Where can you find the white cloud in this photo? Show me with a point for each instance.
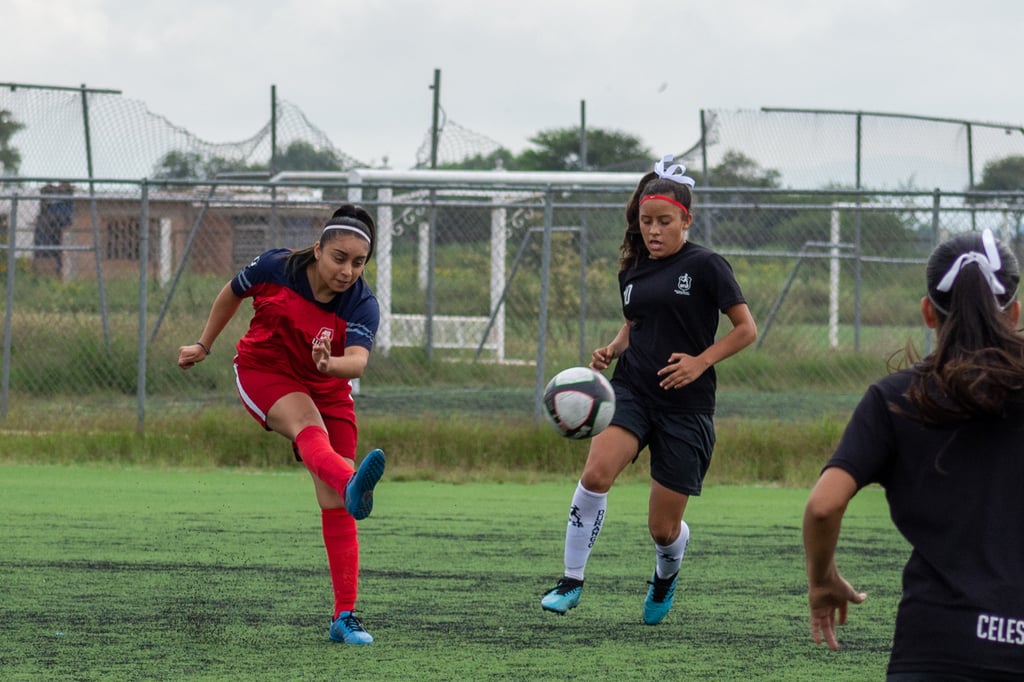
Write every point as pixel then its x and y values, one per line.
pixel 361 69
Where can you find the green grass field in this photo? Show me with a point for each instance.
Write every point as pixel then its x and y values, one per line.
pixel 127 573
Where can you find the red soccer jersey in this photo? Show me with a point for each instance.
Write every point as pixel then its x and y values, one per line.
pixel 287 318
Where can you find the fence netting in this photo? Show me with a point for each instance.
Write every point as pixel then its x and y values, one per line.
pixel 486 291
pixel 68 133
pixel 488 287
pixel 854 150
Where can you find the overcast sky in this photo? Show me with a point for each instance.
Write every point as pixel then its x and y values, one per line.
pixel 361 69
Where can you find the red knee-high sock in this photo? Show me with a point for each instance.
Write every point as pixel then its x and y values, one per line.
pixel 342 545
pixel 319 457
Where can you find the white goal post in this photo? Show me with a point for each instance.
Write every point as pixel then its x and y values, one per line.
pixel 450 331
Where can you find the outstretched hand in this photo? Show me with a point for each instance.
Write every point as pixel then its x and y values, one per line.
pixel 825 602
pixel 601 358
pixel 322 352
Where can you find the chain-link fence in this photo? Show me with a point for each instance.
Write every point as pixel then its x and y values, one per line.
pixel 856 149
pixel 85 132
pixel 487 289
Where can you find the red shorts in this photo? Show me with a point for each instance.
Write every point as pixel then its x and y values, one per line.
pixel 260 390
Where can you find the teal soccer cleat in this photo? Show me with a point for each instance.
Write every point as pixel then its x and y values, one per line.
pixel 349 630
pixel 659 598
pixel 359 491
pixel 563 596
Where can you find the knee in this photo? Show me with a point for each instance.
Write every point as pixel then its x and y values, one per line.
pixel 599 474
pixel 662 533
pixel 597 482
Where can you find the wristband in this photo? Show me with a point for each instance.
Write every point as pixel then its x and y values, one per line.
pixel 203 346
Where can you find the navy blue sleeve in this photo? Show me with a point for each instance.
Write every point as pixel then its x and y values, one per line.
pixel 362 316
pixel 362 327
pixel 266 267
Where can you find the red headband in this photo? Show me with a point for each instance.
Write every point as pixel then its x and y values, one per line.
pixel 662 197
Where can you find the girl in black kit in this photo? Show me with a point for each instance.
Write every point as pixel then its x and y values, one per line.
pixel 944 438
pixel 673 292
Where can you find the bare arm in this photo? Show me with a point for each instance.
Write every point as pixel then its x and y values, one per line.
pixel 351 365
pixel 602 357
pixel 683 369
pixel 224 308
pixel 827 591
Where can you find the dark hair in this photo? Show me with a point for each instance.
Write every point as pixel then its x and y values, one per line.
pixel 347 214
pixel 633 247
pixel 977 369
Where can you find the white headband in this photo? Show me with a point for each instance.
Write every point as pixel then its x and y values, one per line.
pixel 348 228
pixel 989 264
pixel 676 172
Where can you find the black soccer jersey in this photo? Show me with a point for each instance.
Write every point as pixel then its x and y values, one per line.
pixel 957 496
pixel 673 305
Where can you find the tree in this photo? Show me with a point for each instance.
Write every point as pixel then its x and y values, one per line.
pixel 500 158
pixel 1002 175
pixel 10 157
pixel 303 156
pixel 746 227
pixel 181 165
pixel 177 165
pixel 736 169
pixel 218 164
pixel 558 149
pixel 188 165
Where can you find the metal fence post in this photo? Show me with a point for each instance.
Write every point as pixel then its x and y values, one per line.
pixel 143 284
pixel 431 304
pixel 542 317
pixel 9 312
pixel 584 257
pixel 936 214
pixel 183 261
pixel 98 252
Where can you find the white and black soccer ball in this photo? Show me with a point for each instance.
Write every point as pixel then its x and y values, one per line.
pixel 579 402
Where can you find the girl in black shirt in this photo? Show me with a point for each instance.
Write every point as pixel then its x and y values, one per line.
pixel 673 293
pixel 943 437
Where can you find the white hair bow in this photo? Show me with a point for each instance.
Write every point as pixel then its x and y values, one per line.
pixel 989 263
pixel 676 172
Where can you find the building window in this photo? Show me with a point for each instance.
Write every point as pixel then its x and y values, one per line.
pixel 123 239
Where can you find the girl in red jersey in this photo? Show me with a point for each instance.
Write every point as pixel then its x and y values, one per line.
pixel 673 293
pixel 313 326
pixel 943 438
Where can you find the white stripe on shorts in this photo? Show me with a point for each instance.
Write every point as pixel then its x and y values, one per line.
pixel 245 397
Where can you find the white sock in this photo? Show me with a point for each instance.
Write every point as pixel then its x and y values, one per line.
pixel 670 556
pixel 585 519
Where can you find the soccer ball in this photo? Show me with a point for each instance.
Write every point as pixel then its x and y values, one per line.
pixel 579 402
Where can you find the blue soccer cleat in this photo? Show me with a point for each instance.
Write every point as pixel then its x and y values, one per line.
pixel 563 596
pixel 659 598
pixel 349 630
pixel 359 491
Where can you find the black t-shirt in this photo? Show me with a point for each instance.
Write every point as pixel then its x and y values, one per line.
pixel 957 496
pixel 673 306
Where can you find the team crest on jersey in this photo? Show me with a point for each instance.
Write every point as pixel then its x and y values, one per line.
pixel 683 284
pixel 325 333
